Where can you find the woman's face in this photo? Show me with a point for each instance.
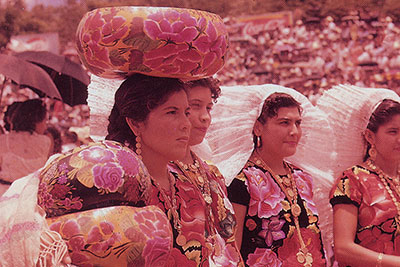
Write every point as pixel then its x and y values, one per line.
pixel 280 134
pixel 387 141
pixel 165 132
pixel 200 102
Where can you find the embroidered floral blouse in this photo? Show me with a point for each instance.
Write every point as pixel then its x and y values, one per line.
pixel 207 234
pixel 97 198
pixel 269 235
pixel 376 229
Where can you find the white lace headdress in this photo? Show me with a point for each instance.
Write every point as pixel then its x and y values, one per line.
pixel 349 109
pixel 101 93
pixel 230 136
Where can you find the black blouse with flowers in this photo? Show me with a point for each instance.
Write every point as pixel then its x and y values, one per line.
pixel 270 237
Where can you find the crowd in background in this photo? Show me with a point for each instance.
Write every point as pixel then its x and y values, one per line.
pixel 309 56
pixel 312 56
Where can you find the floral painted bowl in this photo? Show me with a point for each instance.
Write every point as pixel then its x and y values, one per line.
pixel 116 236
pixel 116 42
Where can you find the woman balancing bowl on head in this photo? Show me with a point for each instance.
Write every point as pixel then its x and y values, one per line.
pixel 92 195
pixel 206 223
pixel 272 198
pixel 365 197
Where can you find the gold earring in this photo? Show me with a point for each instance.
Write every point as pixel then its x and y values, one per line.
pixel 372 152
pixel 138 146
pixel 259 143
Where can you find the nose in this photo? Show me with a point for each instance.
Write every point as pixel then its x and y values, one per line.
pixel 185 124
pixel 295 129
pixel 205 116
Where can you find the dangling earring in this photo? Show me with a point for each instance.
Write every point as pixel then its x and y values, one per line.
pixel 138 147
pixel 372 152
pixel 259 142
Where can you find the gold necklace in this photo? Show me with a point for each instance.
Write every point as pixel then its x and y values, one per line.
pixel 171 202
pixel 198 176
pixel 387 182
pixel 289 188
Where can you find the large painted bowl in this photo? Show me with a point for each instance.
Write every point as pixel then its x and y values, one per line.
pixel 116 42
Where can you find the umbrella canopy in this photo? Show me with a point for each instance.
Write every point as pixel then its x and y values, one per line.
pixel 29 75
pixel 70 78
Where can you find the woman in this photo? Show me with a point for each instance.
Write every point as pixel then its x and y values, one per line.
pixel 25 148
pixel 90 195
pixel 365 196
pixel 272 198
pixel 206 215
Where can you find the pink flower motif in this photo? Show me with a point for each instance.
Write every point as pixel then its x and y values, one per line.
pixel 171 26
pixel 266 196
pixel 94 235
pixel 108 176
pixel 152 223
pixel 112 30
pixel 305 188
pixel 212 45
pixel 80 259
pixel 376 240
pixel 72 203
pixel 70 228
pixel 272 230
pixel 107 228
pixel 76 243
pixel 59 191
pixel 62 179
pixel 97 154
pixel 45 199
pixel 128 161
pixel 263 257
pixel 156 251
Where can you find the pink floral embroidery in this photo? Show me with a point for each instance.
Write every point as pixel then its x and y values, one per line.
pixel 272 230
pixel 129 162
pixel 108 176
pixel 70 229
pixel 156 251
pixel 263 257
pixel 266 196
pixel 305 188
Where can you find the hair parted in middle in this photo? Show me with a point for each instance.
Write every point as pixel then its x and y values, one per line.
pixel 271 107
pixel 136 97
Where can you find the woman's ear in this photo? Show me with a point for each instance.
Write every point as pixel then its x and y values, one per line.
pixel 135 126
pixel 369 136
pixel 258 128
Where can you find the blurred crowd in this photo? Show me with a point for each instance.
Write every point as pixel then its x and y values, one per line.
pixel 309 56
pixel 312 56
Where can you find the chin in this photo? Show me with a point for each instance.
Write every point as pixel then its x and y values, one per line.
pixel 195 140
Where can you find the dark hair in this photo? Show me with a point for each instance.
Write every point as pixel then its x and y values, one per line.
pixel 381 115
pixel 7 115
pixel 136 97
pixel 208 82
pixel 27 114
pixel 56 136
pixel 272 105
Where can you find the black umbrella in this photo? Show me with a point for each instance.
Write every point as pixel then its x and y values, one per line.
pixel 70 78
pixel 27 74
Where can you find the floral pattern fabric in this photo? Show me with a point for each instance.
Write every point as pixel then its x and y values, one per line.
pixel 269 233
pixel 207 234
pixel 97 198
pixel 377 229
pixel 169 42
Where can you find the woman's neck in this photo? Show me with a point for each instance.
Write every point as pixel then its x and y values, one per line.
pixel 188 159
pixel 157 167
pixel 387 166
pixel 275 163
